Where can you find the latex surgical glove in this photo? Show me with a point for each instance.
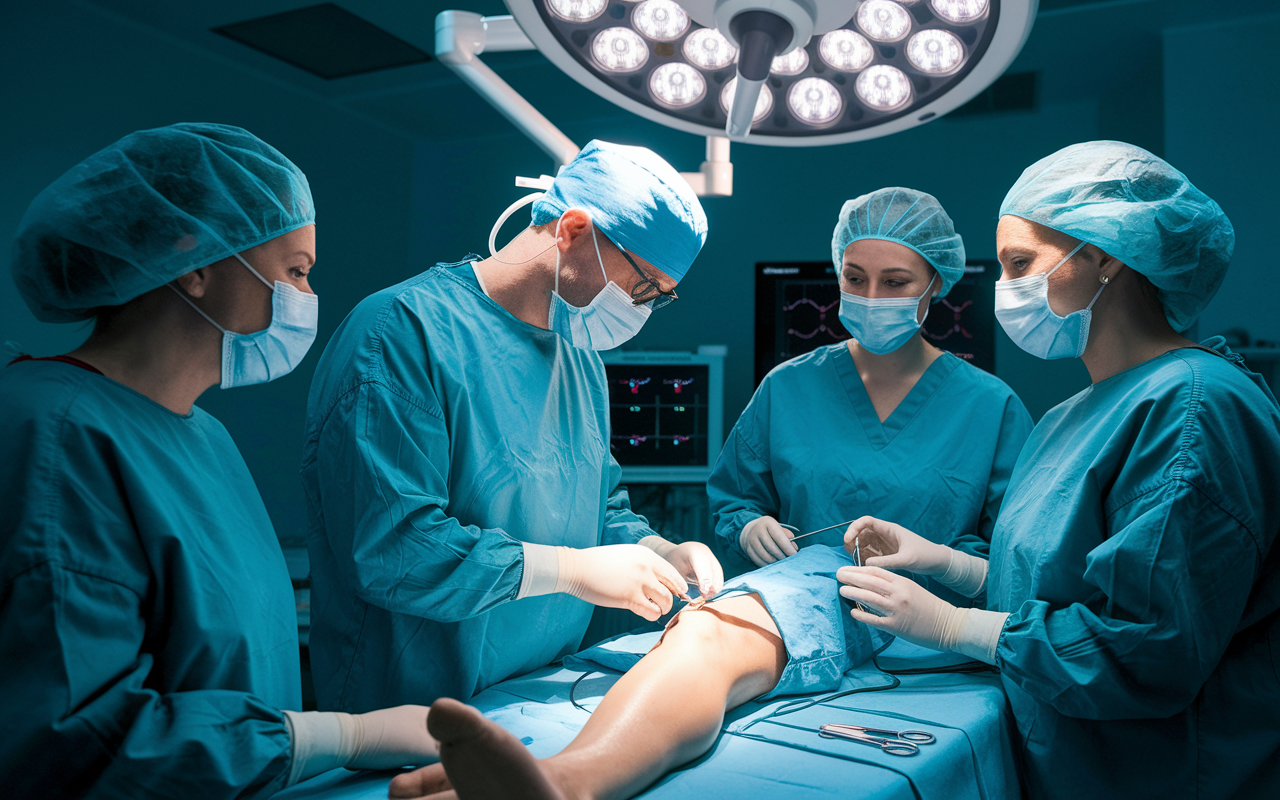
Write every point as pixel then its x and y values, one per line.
pixel 765 541
pixel 891 546
pixel 385 739
pixel 620 576
pixel 693 560
pixel 914 613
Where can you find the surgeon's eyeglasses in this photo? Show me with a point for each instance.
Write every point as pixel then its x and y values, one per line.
pixel 647 289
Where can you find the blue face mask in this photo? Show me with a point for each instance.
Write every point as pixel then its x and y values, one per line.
pixel 609 320
pixel 249 358
pixel 882 324
pixel 1022 306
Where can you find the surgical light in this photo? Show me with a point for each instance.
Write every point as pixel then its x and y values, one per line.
pixel 960 11
pixel 935 51
pixel 619 50
pixel 660 20
pixel 764 102
pixel 814 101
pixel 577 10
pixel 845 50
pixel 884 20
pixel 707 48
pixel 883 87
pixel 792 63
pixel 889 64
pixel 677 85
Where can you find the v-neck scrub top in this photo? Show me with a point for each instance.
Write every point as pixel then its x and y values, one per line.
pixel 810 451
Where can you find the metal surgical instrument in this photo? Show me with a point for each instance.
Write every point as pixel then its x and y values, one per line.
pixel 819 530
pixel 898 743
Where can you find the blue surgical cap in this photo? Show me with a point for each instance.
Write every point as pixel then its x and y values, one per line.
pixel 910 218
pixel 1135 208
pixel 636 199
pixel 154 205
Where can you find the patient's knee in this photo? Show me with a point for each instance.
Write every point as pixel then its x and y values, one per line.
pixel 726 627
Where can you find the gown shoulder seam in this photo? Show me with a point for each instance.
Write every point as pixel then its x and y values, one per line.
pixel 54 563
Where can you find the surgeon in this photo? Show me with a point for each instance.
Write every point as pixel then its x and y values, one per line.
pixel 148 639
pixel 883 423
pixel 1134 589
pixel 465 511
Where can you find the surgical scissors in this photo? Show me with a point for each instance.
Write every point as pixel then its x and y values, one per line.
pixel 897 743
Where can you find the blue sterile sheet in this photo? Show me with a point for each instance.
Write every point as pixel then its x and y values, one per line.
pixel 773 749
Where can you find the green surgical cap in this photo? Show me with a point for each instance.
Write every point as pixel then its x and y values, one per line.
pixel 636 199
pixel 910 218
pixel 1136 208
pixel 154 205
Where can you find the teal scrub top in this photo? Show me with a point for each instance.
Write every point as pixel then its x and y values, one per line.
pixel 1134 556
pixel 441 433
pixel 148 636
pixel 810 451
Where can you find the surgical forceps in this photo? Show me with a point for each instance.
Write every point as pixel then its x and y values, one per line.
pixel 896 743
pixel 819 530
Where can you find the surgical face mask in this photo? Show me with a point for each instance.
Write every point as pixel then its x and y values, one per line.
pixel 249 358
pixel 882 324
pixel 1022 306
pixel 606 322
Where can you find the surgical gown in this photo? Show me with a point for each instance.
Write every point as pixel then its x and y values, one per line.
pixel 1135 557
pixel 148 637
pixel 441 433
pixel 811 451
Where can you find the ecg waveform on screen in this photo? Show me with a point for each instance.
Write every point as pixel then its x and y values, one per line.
pixel 658 414
pixel 806 318
pixel 957 322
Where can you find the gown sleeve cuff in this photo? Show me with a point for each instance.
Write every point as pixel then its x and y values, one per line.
pixel 979 634
pixel 965 573
pixel 318 742
pixel 541 570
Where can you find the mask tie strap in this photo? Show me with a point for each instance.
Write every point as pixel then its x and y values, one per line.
pixel 599 260
pixel 1067 258
pixel 199 311
pixel 926 292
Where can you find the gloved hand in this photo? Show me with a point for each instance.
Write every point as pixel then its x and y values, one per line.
pixel 765 541
pixel 383 739
pixel 915 614
pixel 891 546
pixel 620 576
pixel 693 560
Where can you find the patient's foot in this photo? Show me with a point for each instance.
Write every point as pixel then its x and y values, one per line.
pixel 478 760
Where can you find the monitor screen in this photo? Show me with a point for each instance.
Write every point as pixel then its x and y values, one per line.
pixel 798 310
pixel 659 413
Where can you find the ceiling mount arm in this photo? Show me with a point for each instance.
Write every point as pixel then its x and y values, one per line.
pixel 460 38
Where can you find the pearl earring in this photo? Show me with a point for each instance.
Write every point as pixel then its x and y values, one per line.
pixel 1105 279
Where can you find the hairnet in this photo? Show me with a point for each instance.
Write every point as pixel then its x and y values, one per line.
pixel 154 205
pixel 910 218
pixel 636 199
pixel 1137 209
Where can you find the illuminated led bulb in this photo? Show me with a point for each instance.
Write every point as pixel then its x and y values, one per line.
pixel 619 50
pixel 845 50
pixel 959 11
pixel 707 48
pixel 764 103
pixel 935 51
pixel 815 101
pixel 883 87
pixel 677 85
pixel 577 10
pixel 883 20
pixel 660 20
pixel 792 63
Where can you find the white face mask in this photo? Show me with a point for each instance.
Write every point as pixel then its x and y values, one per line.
pixel 249 358
pixel 1022 307
pixel 609 320
pixel 882 324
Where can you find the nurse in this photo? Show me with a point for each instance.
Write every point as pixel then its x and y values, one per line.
pixel 148 639
pixel 883 424
pixel 1134 600
pixel 465 511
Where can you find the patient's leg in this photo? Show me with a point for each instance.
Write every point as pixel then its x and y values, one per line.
pixel 666 711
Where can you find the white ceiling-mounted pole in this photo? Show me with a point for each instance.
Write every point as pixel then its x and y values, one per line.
pixel 462 36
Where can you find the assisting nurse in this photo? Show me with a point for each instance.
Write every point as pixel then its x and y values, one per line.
pixel 148 639
pixel 1134 588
